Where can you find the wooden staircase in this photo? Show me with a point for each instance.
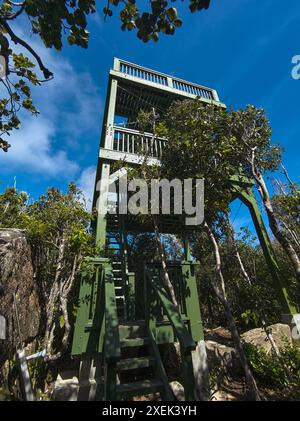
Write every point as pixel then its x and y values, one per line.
pixel 138 369
pixel 114 248
pixel 106 326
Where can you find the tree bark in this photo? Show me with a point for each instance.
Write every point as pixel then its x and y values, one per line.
pixel 278 233
pixel 167 281
pixel 53 298
pixel 262 319
pixel 218 285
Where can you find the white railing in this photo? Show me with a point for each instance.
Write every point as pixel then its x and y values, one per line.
pixel 135 142
pixel 143 73
pixel 165 80
pixel 192 89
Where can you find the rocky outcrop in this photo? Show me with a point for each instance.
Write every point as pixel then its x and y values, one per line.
pixel 17 277
pixel 220 350
pixel 258 337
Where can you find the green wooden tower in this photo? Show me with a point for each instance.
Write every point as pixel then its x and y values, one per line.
pixel 117 344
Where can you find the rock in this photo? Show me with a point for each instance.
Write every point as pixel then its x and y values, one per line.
pixel 66 387
pixel 221 395
pixel 171 359
pixel 16 276
pixel 223 356
pixel 178 390
pixel 257 337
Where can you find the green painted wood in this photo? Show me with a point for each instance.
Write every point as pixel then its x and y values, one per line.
pixel 90 312
pixel 144 387
pixel 192 300
pixel 134 363
pixel 160 372
pixel 132 330
pixel 127 343
pixel 246 195
pixel 102 217
pixel 173 314
pixel 112 337
pixel 188 375
pixel 164 332
pixel 130 296
pixel 110 382
pixel 151 306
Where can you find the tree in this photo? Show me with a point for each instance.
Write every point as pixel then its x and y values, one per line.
pixel 286 204
pixel 57 226
pixel 211 143
pixel 12 207
pixel 208 142
pixel 53 21
pixel 258 156
pixel 218 284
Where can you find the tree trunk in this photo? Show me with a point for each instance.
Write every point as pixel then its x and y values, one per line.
pixel 278 233
pixel 262 319
pixel 167 281
pixel 218 285
pixel 53 297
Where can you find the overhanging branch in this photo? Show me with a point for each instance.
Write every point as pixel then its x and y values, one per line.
pixel 46 72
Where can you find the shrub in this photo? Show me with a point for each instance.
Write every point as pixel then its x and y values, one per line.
pixel 269 369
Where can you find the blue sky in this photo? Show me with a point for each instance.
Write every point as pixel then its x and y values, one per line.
pixel 242 48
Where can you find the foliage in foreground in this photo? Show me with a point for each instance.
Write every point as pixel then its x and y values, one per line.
pixel 269 370
pixel 57 225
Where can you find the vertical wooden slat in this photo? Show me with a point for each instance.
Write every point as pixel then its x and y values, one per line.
pixel 118 141
pixel 155 147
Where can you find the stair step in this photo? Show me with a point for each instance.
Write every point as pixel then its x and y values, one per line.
pixel 134 363
pixel 131 342
pixel 132 330
pixel 144 387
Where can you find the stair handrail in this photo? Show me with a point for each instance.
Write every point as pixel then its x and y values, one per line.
pixel 184 337
pixel 112 348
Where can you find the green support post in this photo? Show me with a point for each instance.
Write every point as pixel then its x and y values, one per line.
pixel 245 194
pixel 130 296
pixel 188 375
pixel 151 306
pixel 192 300
pixel 105 169
pixel 111 347
pixel 88 331
pixel 102 207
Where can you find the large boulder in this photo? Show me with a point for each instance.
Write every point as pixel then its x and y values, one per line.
pixel 220 349
pixel 17 278
pixel 258 337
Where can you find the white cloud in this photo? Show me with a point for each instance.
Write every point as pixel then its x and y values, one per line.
pixel 69 106
pixel 86 183
pixel 32 150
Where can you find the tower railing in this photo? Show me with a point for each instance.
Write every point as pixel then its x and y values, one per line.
pixel 149 75
pixel 143 73
pixel 135 142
